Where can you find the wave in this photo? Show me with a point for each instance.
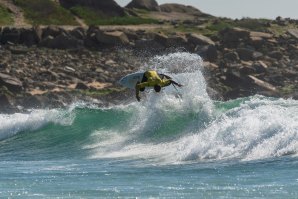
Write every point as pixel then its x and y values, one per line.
pixel 171 127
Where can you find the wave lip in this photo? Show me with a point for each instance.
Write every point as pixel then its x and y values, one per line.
pixel 36 119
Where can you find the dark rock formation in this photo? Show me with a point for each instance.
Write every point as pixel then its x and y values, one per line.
pixel 150 5
pixel 13 84
pixel 107 7
pixel 172 7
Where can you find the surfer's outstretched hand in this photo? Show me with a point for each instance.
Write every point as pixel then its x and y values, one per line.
pixel 138 98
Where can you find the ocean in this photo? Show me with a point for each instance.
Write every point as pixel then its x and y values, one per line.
pixel 175 144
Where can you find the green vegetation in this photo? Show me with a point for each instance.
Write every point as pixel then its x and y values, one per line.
pixel 6 17
pixel 253 24
pixel 92 17
pixel 220 25
pixel 45 12
pixel 288 89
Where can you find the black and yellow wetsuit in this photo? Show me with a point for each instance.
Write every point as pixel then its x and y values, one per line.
pixel 150 79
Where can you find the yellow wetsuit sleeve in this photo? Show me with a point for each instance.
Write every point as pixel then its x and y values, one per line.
pixel 139 86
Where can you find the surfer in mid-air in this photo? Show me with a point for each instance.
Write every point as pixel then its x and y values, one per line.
pixel 152 79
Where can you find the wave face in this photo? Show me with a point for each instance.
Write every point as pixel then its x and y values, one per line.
pixel 172 127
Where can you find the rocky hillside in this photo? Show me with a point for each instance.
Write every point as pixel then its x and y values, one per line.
pixel 107 7
pixel 90 12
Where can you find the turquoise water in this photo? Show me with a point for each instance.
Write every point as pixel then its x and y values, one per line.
pixel 175 144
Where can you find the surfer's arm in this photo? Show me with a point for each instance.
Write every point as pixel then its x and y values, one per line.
pixel 138 87
pixel 175 83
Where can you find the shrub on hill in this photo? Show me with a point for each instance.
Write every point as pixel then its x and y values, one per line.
pixel 5 16
pixel 92 17
pixel 45 12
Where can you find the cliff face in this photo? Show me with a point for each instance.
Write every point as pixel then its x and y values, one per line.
pixel 109 7
pixel 150 5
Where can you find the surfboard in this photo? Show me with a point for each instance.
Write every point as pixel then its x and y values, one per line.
pixel 130 80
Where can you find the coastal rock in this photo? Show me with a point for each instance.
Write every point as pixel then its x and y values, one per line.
pixel 78 33
pixel 293 33
pixel 52 31
pixel 260 67
pixel 106 7
pixel 61 42
pixel 262 84
pixel 247 54
pixel 10 35
pixel 161 38
pixel 173 7
pixel 231 56
pixel 276 55
pixel 258 39
pixel 5 104
pixel 31 36
pixel 112 38
pixel 150 5
pixel 197 39
pixel 13 84
pixel 208 52
pixel 34 101
pixel 232 37
pixel 177 41
pixel 81 86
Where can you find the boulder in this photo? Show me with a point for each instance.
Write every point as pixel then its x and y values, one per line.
pixel 293 33
pixel 78 33
pixel 262 35
pixel 231 56
pixel 208 52
pixel 10 35
pixel 35 101
pixel 112 38
pixel 231 37
pixel 31 36
pixel 233 79
pixel 173 7
pixel 61 42
pixel 247 54
pixel 6 105
pixel 161 38
pixel 13 84
pixel 275 55
pixel 197 39
pixel 150 5
pixel 177 41
pixel 81 86
pixel 260 67
pixel 148 44
pixel 262 84
pixel 52 31
pixel 258 39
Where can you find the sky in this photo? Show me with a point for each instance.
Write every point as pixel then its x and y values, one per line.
pixel 269 9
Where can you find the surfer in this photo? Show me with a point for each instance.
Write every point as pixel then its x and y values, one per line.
pixel 152 79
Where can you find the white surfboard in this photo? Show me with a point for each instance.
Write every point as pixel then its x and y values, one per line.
pixel 130 80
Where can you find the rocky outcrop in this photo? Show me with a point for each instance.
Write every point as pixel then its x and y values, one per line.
pixel 150 5
pixel 108 7
pixel 112 38
pixel 13 84
pixel 172 7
